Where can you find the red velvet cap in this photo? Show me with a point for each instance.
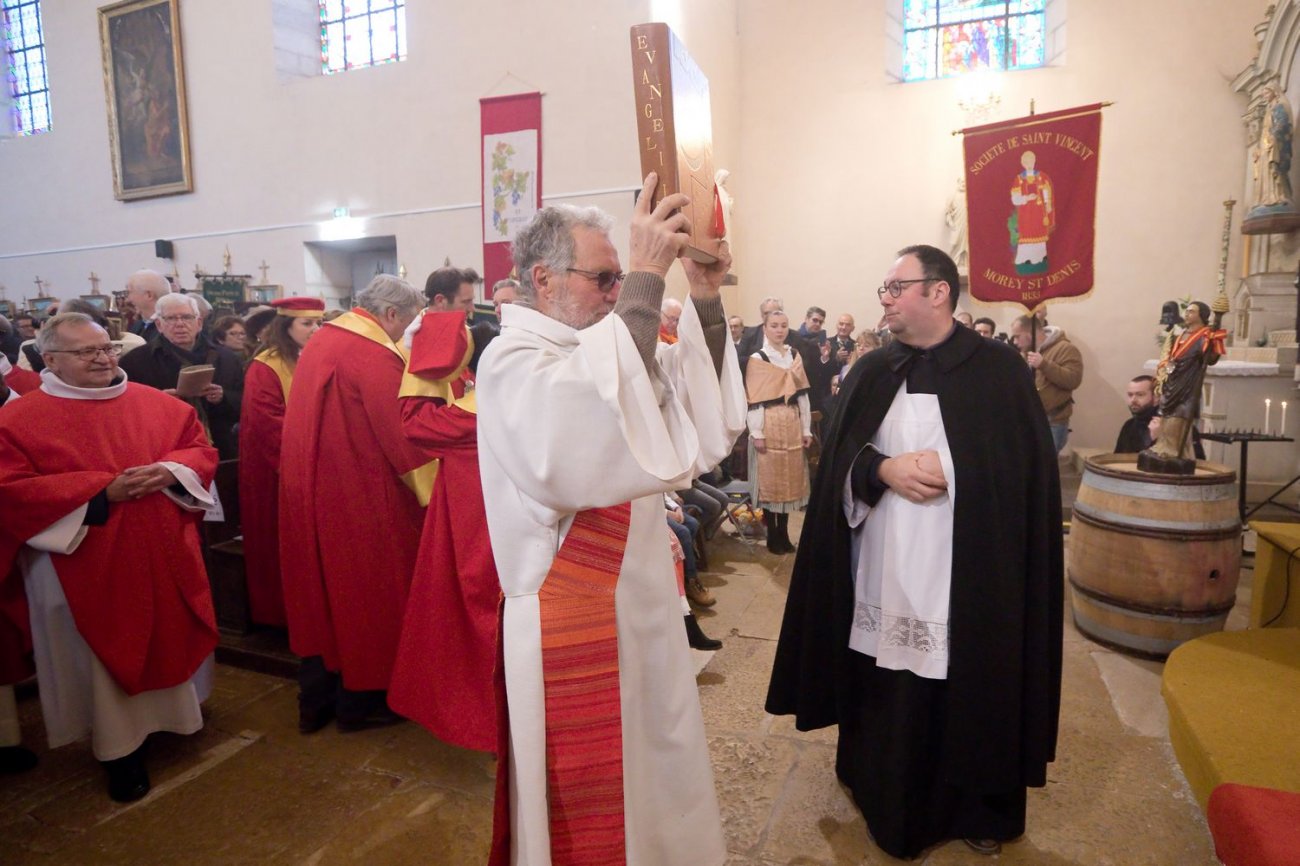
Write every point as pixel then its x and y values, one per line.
pixel 442 347
pixel 310 308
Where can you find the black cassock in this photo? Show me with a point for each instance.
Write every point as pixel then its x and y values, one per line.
pixel 929 760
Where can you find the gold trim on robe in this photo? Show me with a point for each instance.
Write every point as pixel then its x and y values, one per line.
pixel 280 367
pixel 364 325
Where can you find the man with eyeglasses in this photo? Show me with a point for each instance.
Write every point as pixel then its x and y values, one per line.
pixel 925 607
pixel 177 345
pixel 585 421
pixel 101 481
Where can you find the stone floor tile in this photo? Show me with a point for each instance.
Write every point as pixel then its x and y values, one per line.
pixel 411 752
pixel 417 825
pixel 815 820
pixel 749 774
pixel 733 687
pixel 1134 687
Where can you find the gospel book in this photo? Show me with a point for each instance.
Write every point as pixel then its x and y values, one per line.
pixel 675 130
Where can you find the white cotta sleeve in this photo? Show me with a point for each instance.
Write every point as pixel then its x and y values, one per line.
pixel 63 535
pixel 715 402
pixel 584 426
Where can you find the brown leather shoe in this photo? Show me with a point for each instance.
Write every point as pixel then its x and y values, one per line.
pixel 698 593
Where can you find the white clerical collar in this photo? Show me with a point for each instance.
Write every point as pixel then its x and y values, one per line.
pixel 528 319
pixel 56 387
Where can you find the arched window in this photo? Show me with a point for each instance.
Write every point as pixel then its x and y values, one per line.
pixel 24 51
pixel 357 33
pixel 951 37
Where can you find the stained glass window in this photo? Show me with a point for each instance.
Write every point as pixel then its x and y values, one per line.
pixel 24 46
pixel 357 33
pixel 950 37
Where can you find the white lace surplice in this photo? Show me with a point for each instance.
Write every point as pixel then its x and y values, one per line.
pixel 903 551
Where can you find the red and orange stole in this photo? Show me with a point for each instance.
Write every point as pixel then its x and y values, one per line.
pixel 584 727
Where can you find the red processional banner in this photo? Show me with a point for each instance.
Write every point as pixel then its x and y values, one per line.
pixel 511 132
pixel 1031 201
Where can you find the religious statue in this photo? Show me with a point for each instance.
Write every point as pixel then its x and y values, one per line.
pixel 1272 160
pixel 956 219
pixel 1179 377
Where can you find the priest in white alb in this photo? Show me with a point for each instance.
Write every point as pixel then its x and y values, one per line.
pixel 581 430
pixel 102 483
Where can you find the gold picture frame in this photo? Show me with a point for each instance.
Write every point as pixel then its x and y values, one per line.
pixel 144 87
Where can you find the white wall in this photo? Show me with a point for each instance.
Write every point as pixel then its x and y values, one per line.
pixel 834 166
pixel 841 167
pixel 275 151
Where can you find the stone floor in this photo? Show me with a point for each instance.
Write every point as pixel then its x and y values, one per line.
pixel 250 789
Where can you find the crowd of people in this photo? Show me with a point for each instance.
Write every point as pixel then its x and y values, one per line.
pixel 441 512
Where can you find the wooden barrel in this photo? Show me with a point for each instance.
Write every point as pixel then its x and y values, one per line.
pixel 1154 559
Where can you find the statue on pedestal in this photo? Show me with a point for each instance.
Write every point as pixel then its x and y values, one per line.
pixel 1179 377
pixel 1272 208
pixel 957 221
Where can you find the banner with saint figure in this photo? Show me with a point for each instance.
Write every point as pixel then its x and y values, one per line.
pixel 1031 197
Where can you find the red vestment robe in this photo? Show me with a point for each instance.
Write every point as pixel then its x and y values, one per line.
pixel 22 380
pixel 349 525
pixel 261 422
pixel 443 678
pixel 15 631
pixel 136 586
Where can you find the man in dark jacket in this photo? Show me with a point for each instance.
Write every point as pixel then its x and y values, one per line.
pixel 177 345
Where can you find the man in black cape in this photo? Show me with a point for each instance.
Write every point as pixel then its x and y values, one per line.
pixel 930 759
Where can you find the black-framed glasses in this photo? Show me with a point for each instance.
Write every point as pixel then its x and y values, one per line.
pixel 88 354
pixel 606 281
pixel 896 287
pixel 178 319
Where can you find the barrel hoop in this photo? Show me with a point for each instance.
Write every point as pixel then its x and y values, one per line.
pixel 1142 645
pixel 1158 614
pixel 1128 486
pixel 1173 530
pixel 1093 465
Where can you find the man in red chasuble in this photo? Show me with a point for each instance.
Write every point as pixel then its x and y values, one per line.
pixel 443 676
pixel 350 517
pixel 101 483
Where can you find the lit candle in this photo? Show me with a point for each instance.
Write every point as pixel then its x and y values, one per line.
pixel 1268 409
pixel 1282 431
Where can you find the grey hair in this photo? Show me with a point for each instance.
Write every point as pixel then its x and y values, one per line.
pixel 547 239
pixel 204 305
pixel 174 299
pixel 507 283
pixel 386 292
pixel 47 337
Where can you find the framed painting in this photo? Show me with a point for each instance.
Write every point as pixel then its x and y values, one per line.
pixel 100 301
pixel 144 86
pixel 6 308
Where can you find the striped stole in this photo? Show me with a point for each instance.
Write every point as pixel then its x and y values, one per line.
pixel 584 726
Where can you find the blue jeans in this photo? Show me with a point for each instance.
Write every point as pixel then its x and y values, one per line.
pixel 685 533
pixel 1060 435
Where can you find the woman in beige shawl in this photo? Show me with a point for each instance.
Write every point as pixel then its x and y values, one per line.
pixel 780 428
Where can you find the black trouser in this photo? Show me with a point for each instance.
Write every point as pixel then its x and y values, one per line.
pixel 319 688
